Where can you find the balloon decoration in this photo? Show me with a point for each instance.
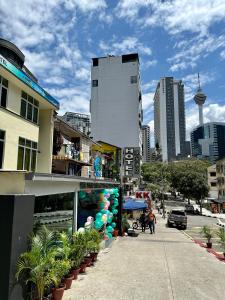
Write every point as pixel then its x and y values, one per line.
pixel 108 203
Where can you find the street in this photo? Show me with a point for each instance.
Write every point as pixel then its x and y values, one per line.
pixel 167 265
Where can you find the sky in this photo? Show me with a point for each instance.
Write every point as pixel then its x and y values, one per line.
pixel 176 38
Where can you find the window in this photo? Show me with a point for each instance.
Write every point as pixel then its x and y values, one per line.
pixel 29 108
pixel 2 141
pixel 3 91
pixel 133 79
pixel 213 174
pixel 94 82
pixel 27 155
pixel 213 183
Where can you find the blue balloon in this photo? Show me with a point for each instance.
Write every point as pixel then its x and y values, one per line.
pixel 109 228
pixel 115 211
pixel 98 215
pixel 109 235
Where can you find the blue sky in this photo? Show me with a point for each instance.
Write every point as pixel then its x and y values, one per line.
pixel 173 38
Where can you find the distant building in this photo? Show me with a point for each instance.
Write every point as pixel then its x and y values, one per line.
pixel 169 118
pixel 116 101
pixel 208 141
pixel 146 152
pixel 212 181
pixel 78 121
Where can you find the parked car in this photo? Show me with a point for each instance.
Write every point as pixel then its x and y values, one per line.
pixel 177 218
pixel 190 209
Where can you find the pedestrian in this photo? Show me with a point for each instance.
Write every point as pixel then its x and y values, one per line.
pixel 152 221
pixel 143 221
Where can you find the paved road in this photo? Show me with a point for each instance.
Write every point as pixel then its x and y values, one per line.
pixel 200 221
pixel 167 265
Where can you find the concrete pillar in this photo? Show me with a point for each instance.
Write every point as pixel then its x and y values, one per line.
pixel 16 223
pixel 75 211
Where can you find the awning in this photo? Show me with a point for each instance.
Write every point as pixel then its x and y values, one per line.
pixel 64 158
pixel 132 204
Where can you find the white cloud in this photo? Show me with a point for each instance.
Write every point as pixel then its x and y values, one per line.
pixel 147 102
pixel 126 45
pixel 211 112
pixel 85 5
pixel 151 85
pixel 195 49
pixel 222 54
pixel 83 74
pixel 174 16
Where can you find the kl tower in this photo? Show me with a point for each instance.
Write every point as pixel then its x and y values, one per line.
pixel 200 98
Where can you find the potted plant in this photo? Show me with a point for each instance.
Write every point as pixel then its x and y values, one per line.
pixel 79 239
pixel 57 271
pixel 65 252
pixel 77 254
pixel 221 235
pixel 33 265
pixel 207 233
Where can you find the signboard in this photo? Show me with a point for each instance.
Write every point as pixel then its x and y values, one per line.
pixel 27 80
pixel 132 162
pixel 142 194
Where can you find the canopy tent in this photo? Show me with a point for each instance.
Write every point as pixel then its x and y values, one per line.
pixel 131 204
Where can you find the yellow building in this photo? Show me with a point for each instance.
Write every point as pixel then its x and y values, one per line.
pixel 26 115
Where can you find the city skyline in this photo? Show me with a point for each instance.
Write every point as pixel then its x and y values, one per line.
pixel 52 39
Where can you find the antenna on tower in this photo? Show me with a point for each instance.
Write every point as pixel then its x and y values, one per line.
pixel 199 85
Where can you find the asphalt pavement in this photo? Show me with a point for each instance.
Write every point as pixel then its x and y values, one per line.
pixel 167 265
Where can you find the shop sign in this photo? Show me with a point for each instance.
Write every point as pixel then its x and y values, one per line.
pixel 142 194
pixel 132 162
pixel 27 80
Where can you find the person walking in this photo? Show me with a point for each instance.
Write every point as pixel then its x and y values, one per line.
pixel 143 221
pixel 152 221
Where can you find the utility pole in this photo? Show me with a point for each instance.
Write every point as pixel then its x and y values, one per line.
pixel 120 207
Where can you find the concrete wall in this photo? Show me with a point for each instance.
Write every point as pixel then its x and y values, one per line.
pixel 14 230
pixel 115 103
pixel 15 127
pixel 12 183
pixel 46 127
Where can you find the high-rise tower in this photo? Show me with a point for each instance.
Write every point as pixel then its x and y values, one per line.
pixel 169 118
pixel 200 98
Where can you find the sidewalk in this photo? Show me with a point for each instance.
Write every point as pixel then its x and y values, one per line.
pixel 167 265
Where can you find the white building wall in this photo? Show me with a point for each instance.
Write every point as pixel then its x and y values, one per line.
pixel 115 103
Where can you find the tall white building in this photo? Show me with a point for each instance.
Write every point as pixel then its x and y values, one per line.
pixel 169 118
pixel 116 103
pixel 78 121
pixel 146 154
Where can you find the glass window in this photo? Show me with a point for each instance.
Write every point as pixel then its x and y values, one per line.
pixel 94 82
pixel 3 91
pixel 29 111
pixel 23 108
pixel 20 158
pixel 133 79
pixel 29 108
pixel 27 155
pixel 2 141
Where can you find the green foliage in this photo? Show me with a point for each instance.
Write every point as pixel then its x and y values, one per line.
pixel 221 234
pixel 78 249
pixel 59 268
pixel 189 177
pixel 207 233
pixel 33 266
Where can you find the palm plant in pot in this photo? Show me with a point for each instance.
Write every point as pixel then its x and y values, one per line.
pixel 208 234
pixel 77 254
pixel 94 244
pixel 33 265
pixel 57 271
pixel 221 235
pixel 64 254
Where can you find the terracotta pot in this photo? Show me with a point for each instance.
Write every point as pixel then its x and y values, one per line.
pixel 209 245
pixel 116 232
pixel 83 266
pixel 68 281
pixel 75 272
pixel 94 256
pixel 88 261
pixel 57 293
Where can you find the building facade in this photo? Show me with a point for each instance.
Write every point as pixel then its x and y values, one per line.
pixel 78 121
pixel 116 101
pixel 208 141
pixel 169 118
pixel 212 181
pixel 146 150
pixel 26 116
